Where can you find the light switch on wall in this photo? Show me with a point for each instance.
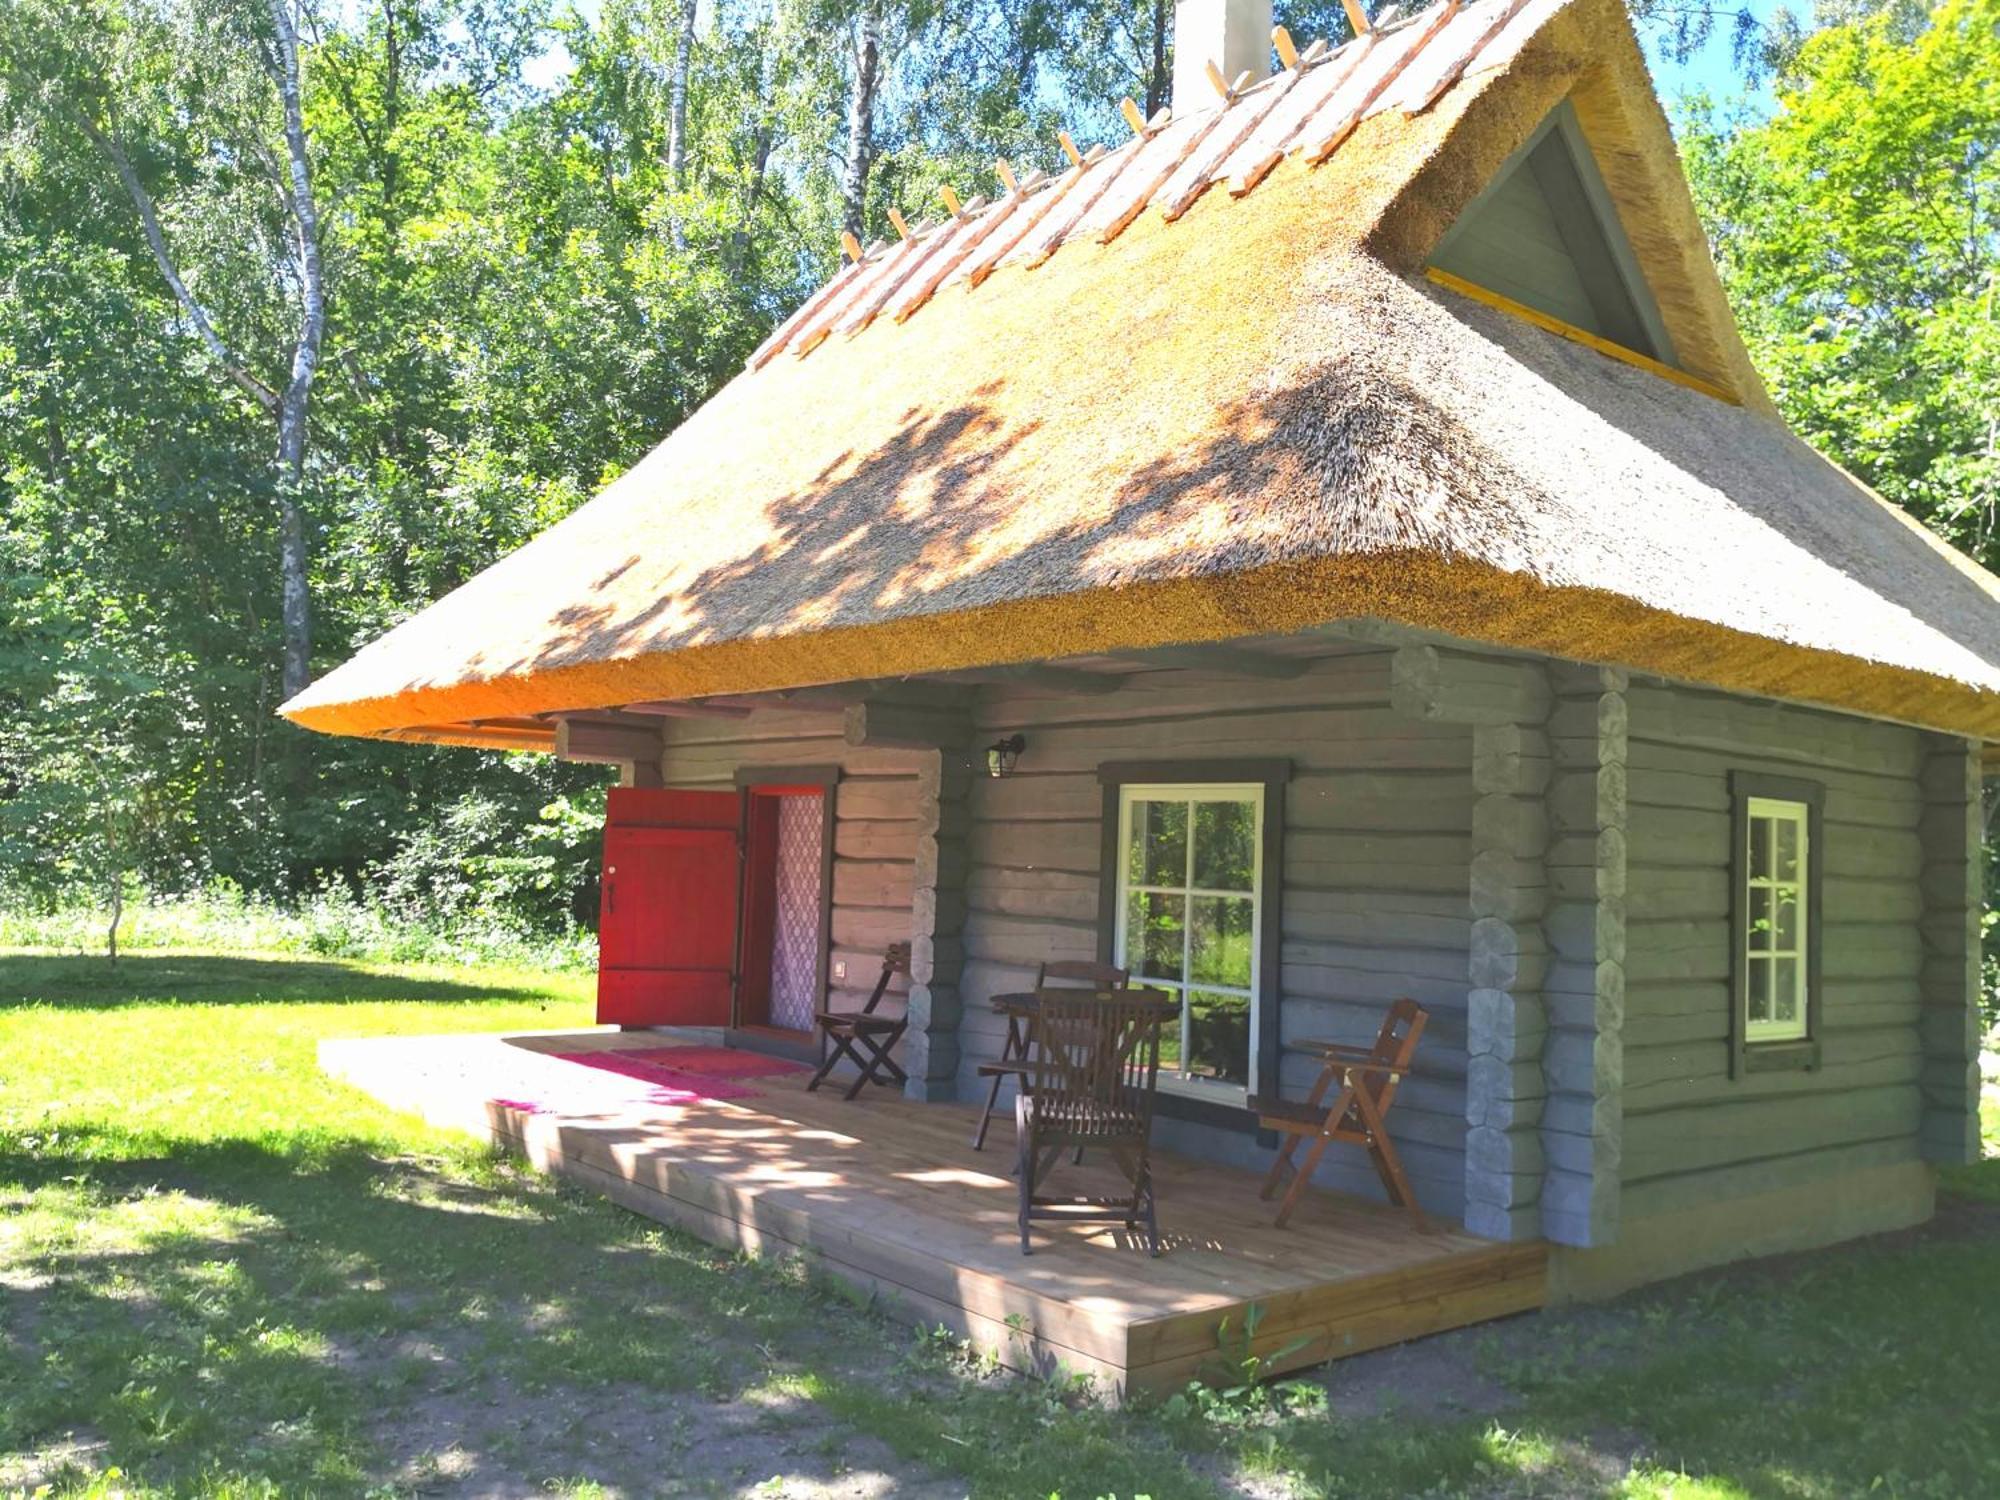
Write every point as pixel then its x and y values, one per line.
pixel 839 970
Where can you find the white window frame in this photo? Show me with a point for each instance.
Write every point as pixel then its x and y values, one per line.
pixel 1192 792
pixel 1799 814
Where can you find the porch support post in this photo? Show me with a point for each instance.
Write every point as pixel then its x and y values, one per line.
pixel 631 742
pixel 1506 700
pixel 1949 1025
pixel 1506 1021
pixel 641 773
pixel 879 724
pixel 937 924
pixel 1583 1063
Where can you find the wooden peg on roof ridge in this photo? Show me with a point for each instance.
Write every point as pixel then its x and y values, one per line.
pixel 1314 53
pixel 1238 84
pixel 1215 78
pixel 850 246
pixel 1069 148
pixel 951 201
pixel 1033 180
pixel 1162 118
pixel 902 228
pixel 1005 169
pixel 1094 155
pixel 1132 116
pixel 1281 39
pixel 1356 16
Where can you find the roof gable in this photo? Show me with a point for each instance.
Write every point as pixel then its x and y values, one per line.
pixel 1543 233
pixel 1585 77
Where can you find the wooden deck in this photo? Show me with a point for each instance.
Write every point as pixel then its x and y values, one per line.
pixel 888 1195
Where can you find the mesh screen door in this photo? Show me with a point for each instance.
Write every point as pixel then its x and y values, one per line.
pixel 795 924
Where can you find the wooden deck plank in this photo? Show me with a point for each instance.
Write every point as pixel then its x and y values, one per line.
pixel 1037 1344
pixel 888 1195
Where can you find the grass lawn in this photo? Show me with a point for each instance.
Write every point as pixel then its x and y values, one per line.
pixel 222 1274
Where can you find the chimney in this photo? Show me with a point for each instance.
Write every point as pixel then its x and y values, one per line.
pixel 1235 35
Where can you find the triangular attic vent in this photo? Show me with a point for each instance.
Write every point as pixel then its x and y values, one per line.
pixel 1544 234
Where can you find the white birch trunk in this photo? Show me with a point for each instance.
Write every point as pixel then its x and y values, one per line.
pixel 861 119
pixel 677 97
pixel 296 397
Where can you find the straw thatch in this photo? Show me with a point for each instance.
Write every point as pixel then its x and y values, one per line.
pixel 1014 441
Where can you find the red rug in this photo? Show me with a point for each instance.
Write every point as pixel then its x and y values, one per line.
pixel 626 1078
pixel 714 1062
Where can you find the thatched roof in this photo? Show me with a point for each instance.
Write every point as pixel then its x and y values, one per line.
pixel 1253 417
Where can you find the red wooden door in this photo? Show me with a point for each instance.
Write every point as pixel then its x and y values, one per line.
pixel 666 932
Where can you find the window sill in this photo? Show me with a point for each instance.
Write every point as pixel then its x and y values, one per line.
pixel 1169 1104
pixel 1780 1057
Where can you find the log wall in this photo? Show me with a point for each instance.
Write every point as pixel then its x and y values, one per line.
pixel 1538 853
pixel 1691 1133
pixel 1377 842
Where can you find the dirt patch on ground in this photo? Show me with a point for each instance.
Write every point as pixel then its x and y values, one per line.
pixel 80 1451
pixel 497 1443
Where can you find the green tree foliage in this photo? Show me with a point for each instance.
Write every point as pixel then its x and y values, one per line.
pixel 1858 232
pixel 523 285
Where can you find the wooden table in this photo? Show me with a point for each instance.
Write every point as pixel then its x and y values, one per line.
pixel 1017 1006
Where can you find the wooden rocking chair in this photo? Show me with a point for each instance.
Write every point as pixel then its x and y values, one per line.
pixel 1013 1059
pixel 1367 1079
pixel 851 1033
pixel 1094 1065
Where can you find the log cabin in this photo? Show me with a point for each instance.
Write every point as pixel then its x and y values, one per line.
pixel 1331 545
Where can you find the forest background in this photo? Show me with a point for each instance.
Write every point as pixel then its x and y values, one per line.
pixel 310 309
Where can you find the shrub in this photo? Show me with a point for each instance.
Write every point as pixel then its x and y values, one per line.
pixel 333 921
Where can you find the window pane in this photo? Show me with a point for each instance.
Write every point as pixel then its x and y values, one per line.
pixel 1760 848
pixel 1225 845
pixel 1153 933
pixel 1785 991
pixel 1760 989
pixel 1785 901
pixel 1219 1036
pixel 1158 855
pixel 1787 860
pixel 1220 950
pixel 1760 919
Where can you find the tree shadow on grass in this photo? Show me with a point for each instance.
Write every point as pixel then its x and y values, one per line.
pixel 320 1314
pixel 94 983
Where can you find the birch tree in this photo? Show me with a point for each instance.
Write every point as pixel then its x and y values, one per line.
pixel 113 74
pixel 860 152
pixel 677 95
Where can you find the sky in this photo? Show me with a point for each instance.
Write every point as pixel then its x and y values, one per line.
pixel 1711 68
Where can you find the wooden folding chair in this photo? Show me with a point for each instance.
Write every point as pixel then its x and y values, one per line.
pixel 1013 1052
pixel 852 1033
pixel 1367 1079
pixel 1094 1066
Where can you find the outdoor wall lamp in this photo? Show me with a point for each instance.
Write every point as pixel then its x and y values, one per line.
pixel 1002 754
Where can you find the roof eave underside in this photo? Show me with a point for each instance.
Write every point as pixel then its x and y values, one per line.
pixel 1461 599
